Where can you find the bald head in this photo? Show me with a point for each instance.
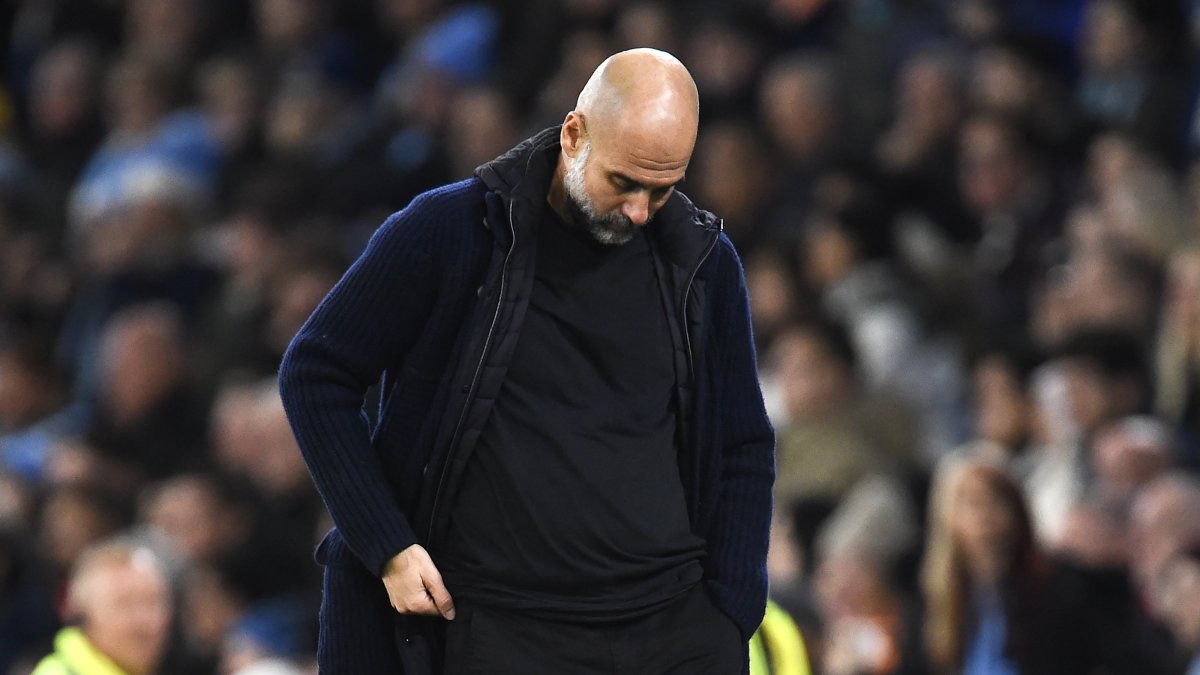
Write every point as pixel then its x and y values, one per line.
pixel 644 91
pixel 627 143
pixel 121 594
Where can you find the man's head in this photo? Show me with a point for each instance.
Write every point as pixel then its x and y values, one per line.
pixel 120 594
pixel 143 359
pixel 1164 518
pixel 627 143
pixel 1177 596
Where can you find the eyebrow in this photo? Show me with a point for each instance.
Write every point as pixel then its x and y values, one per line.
pixel 616 175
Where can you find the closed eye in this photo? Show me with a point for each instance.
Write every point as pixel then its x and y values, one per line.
pixel 625 184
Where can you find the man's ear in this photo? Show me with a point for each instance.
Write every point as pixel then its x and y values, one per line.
pixel 571 138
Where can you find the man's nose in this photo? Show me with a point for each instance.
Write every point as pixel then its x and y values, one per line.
pixel 637 208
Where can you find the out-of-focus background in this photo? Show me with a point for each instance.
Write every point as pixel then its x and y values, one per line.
pixel 971 230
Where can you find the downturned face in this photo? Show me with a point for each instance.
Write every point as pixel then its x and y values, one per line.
pixel 616 181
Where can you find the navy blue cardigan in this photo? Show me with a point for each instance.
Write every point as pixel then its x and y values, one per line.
pixel 432 308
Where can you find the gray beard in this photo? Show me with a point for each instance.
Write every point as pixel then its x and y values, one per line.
pixel 613 229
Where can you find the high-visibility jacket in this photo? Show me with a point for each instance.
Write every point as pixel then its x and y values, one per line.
pixel 74 655
pixel 777 647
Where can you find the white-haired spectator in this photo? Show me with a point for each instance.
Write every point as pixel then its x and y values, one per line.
pixel 120 602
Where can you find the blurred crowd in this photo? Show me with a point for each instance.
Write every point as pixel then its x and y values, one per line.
pixel 971 230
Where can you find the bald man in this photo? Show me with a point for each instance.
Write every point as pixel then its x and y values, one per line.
pixel 572 467
pixel 120 596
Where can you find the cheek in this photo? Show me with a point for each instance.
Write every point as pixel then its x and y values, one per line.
pixel 962 526
pixel 604 201
pixel 603 196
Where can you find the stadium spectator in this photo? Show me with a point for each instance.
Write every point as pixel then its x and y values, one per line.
pixel 120 601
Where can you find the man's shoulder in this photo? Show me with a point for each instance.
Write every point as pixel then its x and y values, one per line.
pixel 450 199
pixel 725 261
pixel 51 665
pixel 455 211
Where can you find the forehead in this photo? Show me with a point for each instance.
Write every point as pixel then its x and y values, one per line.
pixel 644 155
pixel 113 579
pixel 977 483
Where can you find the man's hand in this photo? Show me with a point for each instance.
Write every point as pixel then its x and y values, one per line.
pixel 415 586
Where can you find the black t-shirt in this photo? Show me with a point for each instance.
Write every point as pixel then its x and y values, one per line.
pixel 572 504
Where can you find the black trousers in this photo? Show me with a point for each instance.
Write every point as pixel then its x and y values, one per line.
pixel 690 636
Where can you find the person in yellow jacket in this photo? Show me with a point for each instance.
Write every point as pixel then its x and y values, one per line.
pixel 777 647
pixel 120 597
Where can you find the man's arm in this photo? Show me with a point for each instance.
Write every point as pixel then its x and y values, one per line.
pixel 737 541
pixel 366 323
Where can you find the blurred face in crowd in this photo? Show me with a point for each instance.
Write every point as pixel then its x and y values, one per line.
pixel 1192 186
pixel 1003 406
pixel 278 469
pixel 1165 516
pixel 991 171
pixel 769 283
pixel 1102 290
pixel 71 521
pixel 295 294
pixel 976 19
pixel 590 9
pixel 253 440
pixel 17 502
pixel 830 253
pixel 288 24
pixel 1094 535
pixel 1089 399
pixel 1111 37
pixel 1111 159
pixel 234 428
pixel 729 175
pixel 1001 80
pixel 1182 301
pixel 1178 599
pixel 856 607
pixel 795 12
pixel 984 525
pixel 142 361
pixel 210 609
pixel 125 610
pixel 188 510
pixel 136 92
pixel 63 94
pixel 1146 214
pixel 646 24
pixel 300 113
pixel 404 17
pixel 722 58
pixel 849 585
pixel 165 28
pixel 482 126
pixel 231 100
pixel 25 395
pixel 797 107
pixel 929 97
pixel 1130 453
pixel 815 382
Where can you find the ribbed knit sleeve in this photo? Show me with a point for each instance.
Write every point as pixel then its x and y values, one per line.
pixel 738 539
pixel 367 323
